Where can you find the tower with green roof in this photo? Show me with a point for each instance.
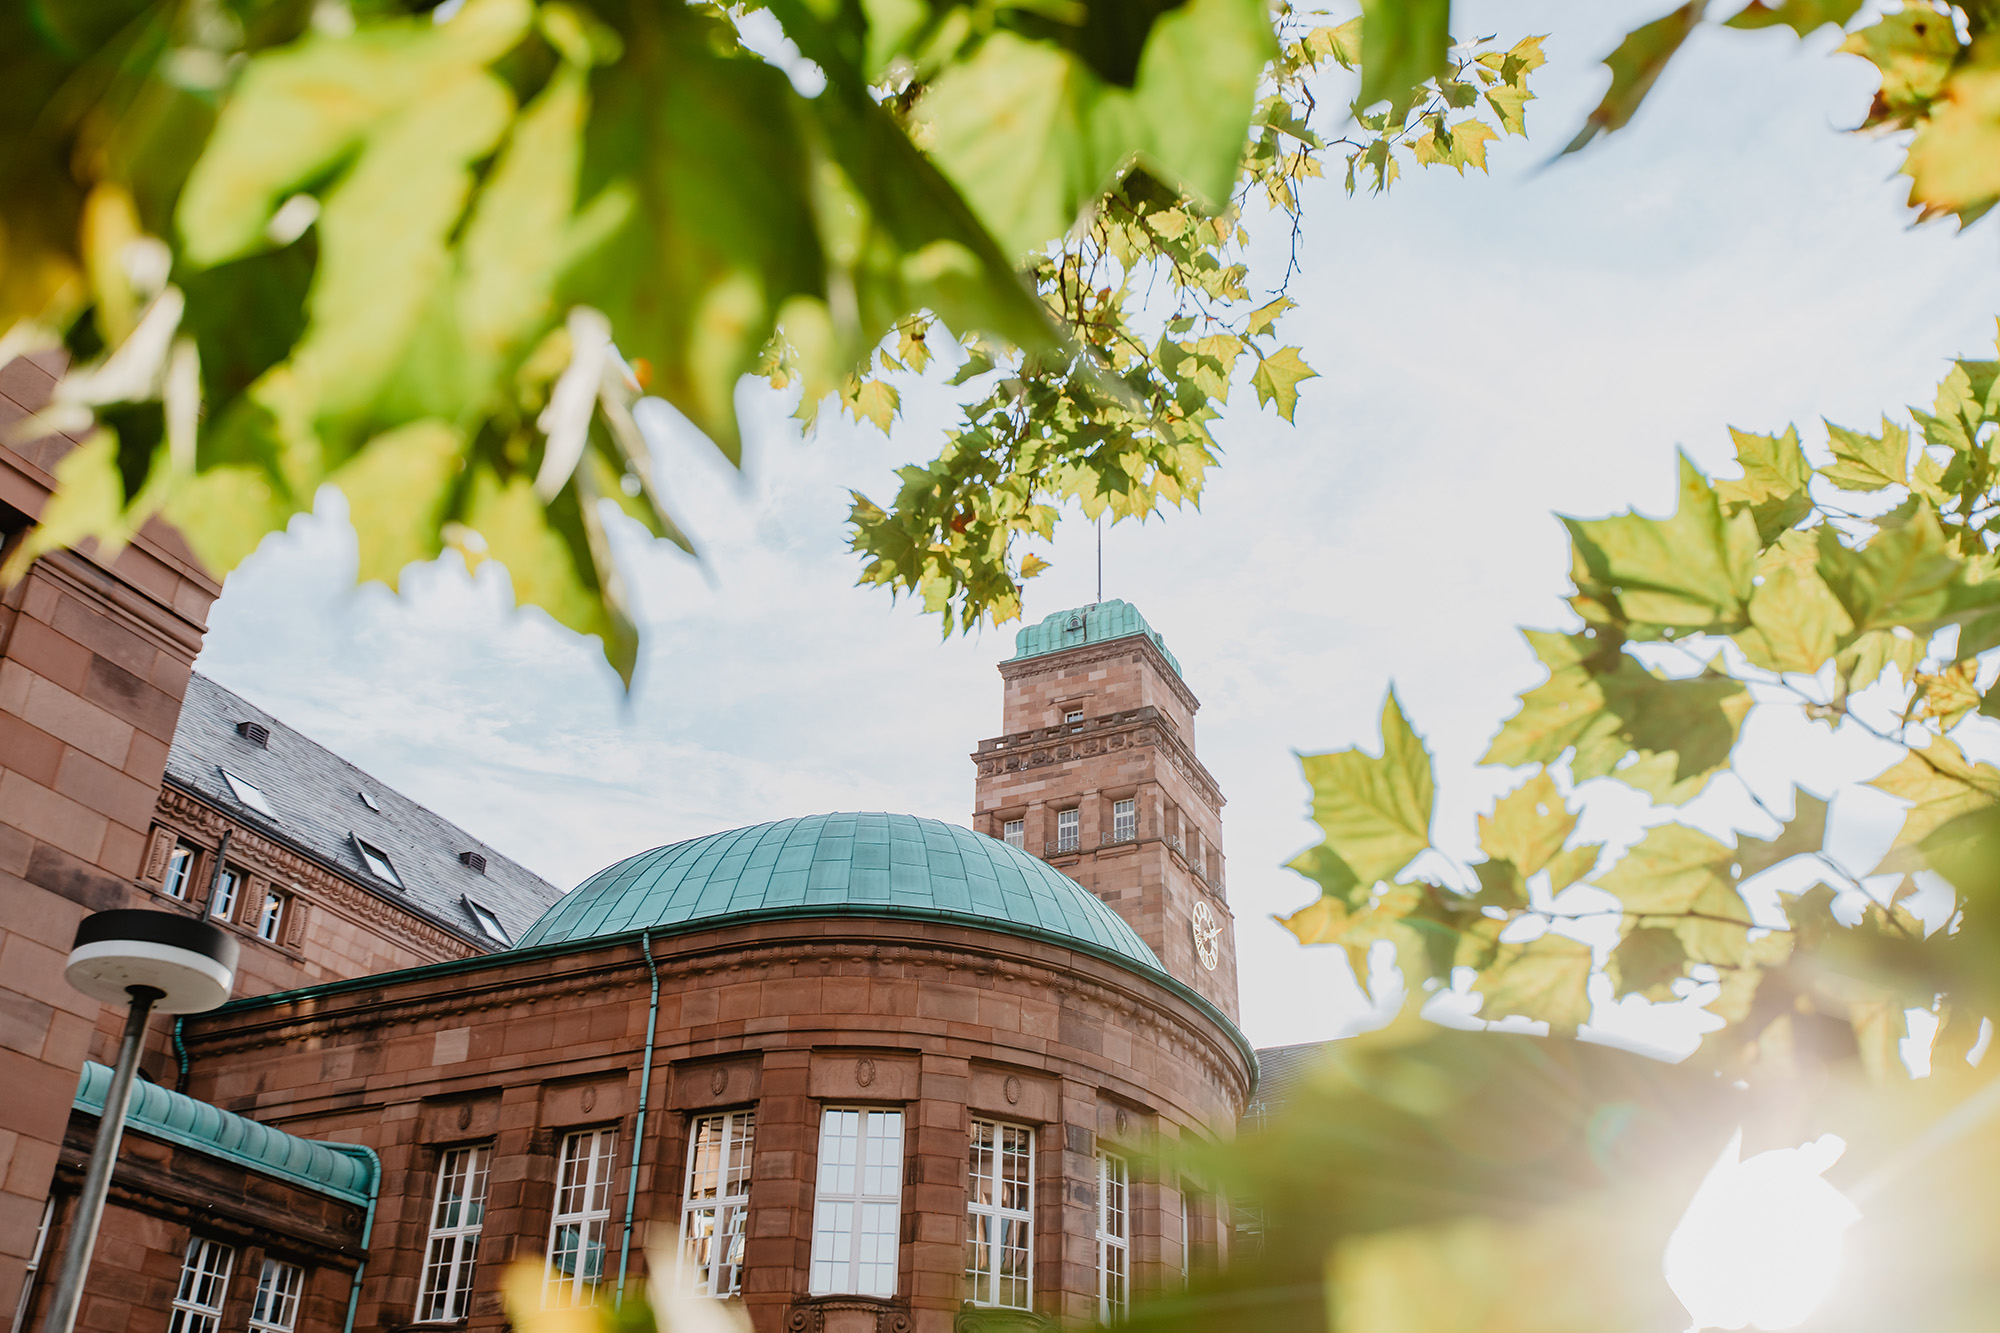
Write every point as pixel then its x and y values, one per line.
pixel 1095 773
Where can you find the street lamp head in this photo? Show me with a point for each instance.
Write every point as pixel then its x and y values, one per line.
pixel 186 965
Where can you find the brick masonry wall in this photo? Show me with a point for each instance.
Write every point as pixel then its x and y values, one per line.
pixel 94 660
pixel 787 1017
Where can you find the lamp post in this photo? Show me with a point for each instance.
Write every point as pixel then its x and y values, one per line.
pixel 153 962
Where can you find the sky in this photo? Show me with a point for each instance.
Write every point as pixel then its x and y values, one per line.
pixel 1491 349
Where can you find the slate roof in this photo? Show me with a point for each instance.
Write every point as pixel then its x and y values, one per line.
pixel 341 1170
pixel 1280 1071
pixel 844 865
pixel 315 796
pixel 1100 622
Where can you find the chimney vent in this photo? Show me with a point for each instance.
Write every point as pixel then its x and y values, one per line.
pixel 474 860
pixel 256 733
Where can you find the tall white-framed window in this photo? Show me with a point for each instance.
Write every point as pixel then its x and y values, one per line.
pixel 180 871
pixel 457 1212
pixel 276 1307
pixel 1069 829
pixel 1015 833
pixel 271 917
pixel 716 1201
pixel 999 1206
pixel 1114 1237
pixel 1124 820
pixel 203 1287
pixel 857 1202
pixel 228 884
pixel 575 1262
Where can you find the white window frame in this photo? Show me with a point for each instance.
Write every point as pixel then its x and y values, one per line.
pixel 584 1171
pixel 1125 820
pixel 1072 717
pixel 280 1291
pixel 180 871
pixel 228 884
pixel 1069 829
pixel 203 1288
pixel 376 860
pixel 1114 1237
pixel 715 1202
pixel 858 1202
pixel 458 1212
pixel 1014 832
pixel 982 1272
pixel 271 916
pixel 249 794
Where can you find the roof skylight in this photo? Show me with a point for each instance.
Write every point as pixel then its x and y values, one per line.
pixel 489 924
pixel 368 800
pixel 377 861
pixel 246 793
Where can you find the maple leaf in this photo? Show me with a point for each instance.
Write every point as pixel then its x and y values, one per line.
pixel 1375 812
pixel 1277 379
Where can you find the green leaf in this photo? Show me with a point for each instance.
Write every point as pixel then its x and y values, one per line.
pixel 1264 316
pixel 397 487
pixel 1914 49
pixel 1796 623
pixel 1801 16
pixel 1528 826
pixel 1501 884
pixel 1669 870
pixel 1907 575
pixel 1941 786
pixel 1336 879
pixel 1277 378
pixel 1951 163
pixel 1867 462
pixel 1404 43
pixel 1691 571
pixel 1546 979
pixel 1802 835
pixel 1774 484
pixel 298 110
pixel 1634 66
pixel 1031 135
pixel 1510 103
pixel 1376 813
pixel 1609 706
pixel 1647 962
pixel 1572 864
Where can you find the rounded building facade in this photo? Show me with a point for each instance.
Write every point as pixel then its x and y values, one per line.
pixel 861 1072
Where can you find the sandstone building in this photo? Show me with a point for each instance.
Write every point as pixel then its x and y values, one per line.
pixel 865 1073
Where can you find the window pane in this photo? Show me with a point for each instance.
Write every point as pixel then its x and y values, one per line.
pixel 575 1262
pixel 1014 832
pixel 272 916
pixel 715 1202
pixel 204 1285
pixel 457 1211
pixel 276 1307
pixel 857 1212
pixel 999 1198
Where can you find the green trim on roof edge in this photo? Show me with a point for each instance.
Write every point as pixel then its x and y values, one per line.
pixel 456 966
pixel 1100 622
pixel 342 1170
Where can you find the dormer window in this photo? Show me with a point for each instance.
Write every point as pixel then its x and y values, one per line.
pixel 377 861
pixel 489 924
pixel 246 793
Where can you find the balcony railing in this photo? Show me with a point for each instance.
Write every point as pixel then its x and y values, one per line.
pixel 1062 846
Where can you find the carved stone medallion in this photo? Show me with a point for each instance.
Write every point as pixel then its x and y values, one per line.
pixel 1011 1089
pixel 864 1071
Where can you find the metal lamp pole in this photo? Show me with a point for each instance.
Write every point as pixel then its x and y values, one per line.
pixel 154 961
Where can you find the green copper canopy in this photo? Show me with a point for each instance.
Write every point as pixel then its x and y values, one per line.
pixel 341 1170
pixel 1097 623
pixel 843 865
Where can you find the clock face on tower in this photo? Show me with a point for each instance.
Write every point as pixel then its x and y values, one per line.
pixel 1206 931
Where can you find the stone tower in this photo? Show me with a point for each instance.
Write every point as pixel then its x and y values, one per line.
pixel 1095 772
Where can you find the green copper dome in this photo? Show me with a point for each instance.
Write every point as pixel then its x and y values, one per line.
pixel 843 865
pixel 1099 622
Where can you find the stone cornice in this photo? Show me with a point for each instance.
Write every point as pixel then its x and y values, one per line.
pixel 717 957
pixel 1132 727
pixel 323 886
pixel 1069 659
pixel 162 626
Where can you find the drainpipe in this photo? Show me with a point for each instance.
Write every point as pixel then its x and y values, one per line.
pixel 181 1054
pixel 215 874
pixel 367 1228
pixel 639 1128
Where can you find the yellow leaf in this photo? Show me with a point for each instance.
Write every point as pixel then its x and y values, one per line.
pixel 1527 826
